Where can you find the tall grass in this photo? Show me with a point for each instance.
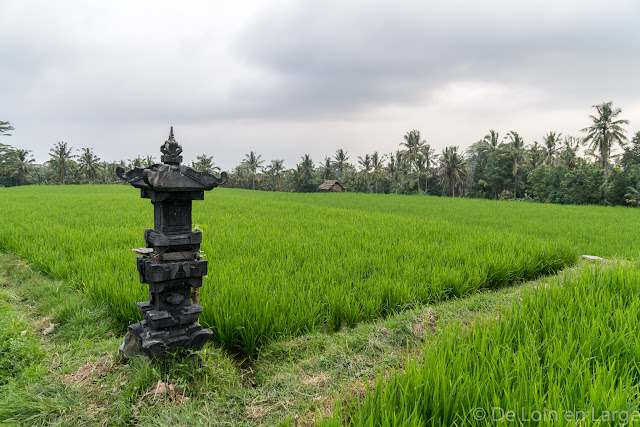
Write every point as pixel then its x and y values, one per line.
pixel 565 355
pixel 285 264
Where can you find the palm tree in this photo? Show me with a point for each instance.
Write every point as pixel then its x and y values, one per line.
pixel 428 153
pixel 516 149
pixel 61 159
pixel 487 145
pixel 535 156
pixel 413 145
pixel 492 139
pixel 253 162
pixel 107 173
pixel 421 170
pixel 138 162
pixel 365 165
pixel 276 167
pixel 605 132
pixel 89 165
pixel 550 141
pixel 21 162
pixel 403 168
pixel 241 176
pixel 204 163
pixel 340 162
pixel 5 128
pixel 452 168
pixel 377 163
pixel 326 168
pixel 305 169
pixel 149 161
pixel 569 154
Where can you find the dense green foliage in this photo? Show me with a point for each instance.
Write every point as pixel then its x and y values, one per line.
pixel 566 170
pixel 284 264
pixel 566 355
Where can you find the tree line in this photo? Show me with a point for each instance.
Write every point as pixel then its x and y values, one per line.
pixel 557 169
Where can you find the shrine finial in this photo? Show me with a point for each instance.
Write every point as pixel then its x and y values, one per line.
pixel 171 150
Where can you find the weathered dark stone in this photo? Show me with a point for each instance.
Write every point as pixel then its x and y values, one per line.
pixel 170 263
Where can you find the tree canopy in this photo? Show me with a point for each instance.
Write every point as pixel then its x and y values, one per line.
pixel 603 168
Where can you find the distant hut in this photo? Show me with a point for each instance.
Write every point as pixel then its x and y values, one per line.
pixel 332 186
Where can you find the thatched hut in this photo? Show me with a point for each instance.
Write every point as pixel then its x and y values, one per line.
pixel 331 185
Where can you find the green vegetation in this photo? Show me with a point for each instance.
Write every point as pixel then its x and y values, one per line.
pixel 76 380
pixel 70 376
pixel 18 347
pixel 284 268
pixel 283 264
pixel 569 346
pixel 559 169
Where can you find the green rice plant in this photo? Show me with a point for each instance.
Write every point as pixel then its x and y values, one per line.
pixel 565 355
pixel 283 264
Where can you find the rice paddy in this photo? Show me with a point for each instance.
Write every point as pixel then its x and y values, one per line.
pixel 567 354
pixel 281 265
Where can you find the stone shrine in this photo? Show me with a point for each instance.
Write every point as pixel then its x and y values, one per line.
pixel 170 263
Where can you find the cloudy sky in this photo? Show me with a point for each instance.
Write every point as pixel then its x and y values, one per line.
pixel 287 78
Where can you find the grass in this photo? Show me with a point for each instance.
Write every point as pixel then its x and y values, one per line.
pixel 76 377
pixel 569 350
pixel 282 265
pixel 426 274
pixel 19 349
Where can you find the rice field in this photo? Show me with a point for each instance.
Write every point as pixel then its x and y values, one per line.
pixel 281 265
pixel 567 354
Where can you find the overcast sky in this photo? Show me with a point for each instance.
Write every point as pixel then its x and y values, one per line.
pixel 287 78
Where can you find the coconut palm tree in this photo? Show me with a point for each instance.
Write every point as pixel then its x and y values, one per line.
pixel 5 128
pixel 89 164
pixel 138 162
pixel 305 169
pixel 276 168
pixel 413 145
pixel 516 149
pixel 452 168
pixel 149 161
pixel 605 131
pixel 392 166
pixel 402 166
pixel 21 162
pixel 492 139
pixel 377 164
pixel 340 162
pixel 535 156
pixel 551 141
pixel 487 145
pixel 107 173
pixel 569 154
pixel 61 159
pixel 253 162
pixel 365 165
pixel 326 168
pixel 204 163
pixel 421 171
pixel 428 155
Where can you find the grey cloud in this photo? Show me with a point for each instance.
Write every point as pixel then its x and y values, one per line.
pixel 348 73
pixel 329 57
